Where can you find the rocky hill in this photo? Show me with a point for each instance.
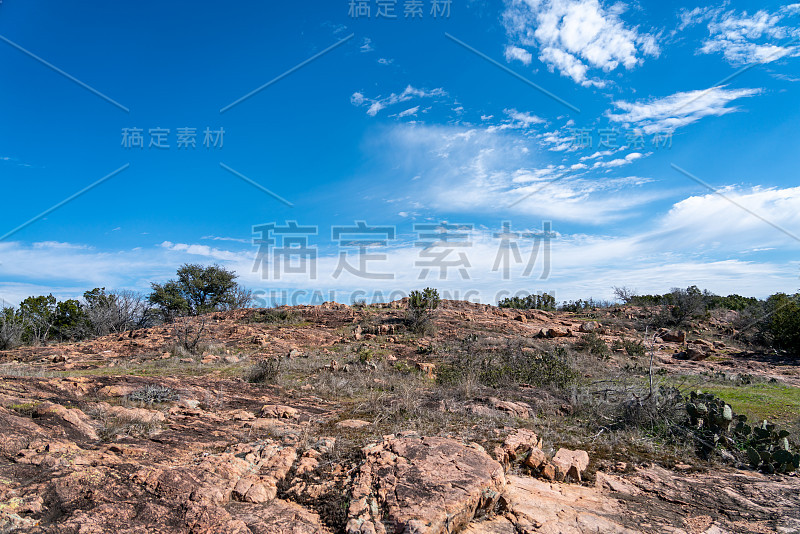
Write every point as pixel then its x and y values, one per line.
pixel 339 419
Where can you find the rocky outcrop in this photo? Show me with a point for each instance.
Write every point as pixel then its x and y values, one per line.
pixel 422 485
pixel 672 336
pixel 555 332
pixel 589 326
pixel 570 464
pixel 536 506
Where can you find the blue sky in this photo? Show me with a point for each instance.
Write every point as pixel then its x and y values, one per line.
pixel 403 122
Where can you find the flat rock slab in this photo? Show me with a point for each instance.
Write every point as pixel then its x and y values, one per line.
pixel 277 516
pixel 423 485
pixel 548 508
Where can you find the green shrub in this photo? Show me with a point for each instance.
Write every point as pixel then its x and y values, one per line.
pixel 366 355
pixel 581 305
pixel 593 344
pixel 514 365
pixel 782 322
pixel 530 302
pixel 421 305
pixel 630 346
pixel 276 316
pixel 405 368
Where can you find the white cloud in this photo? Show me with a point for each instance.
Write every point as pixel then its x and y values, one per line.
pixel 598 154
pixel 518 120
pixel 518 54
pixel 525 119
pixel 677 110
pixel 713 221
pixel 357 99
pixel 558 141
pixel 54 245
pixel 374 108
pixel 377 104
pixel 473 170
pixel 408 112
pixel 218 238
pixel 574 36
pixel 743 38
pixel 201 250
pixel 700 240
pixel 618 162
pixel 62 265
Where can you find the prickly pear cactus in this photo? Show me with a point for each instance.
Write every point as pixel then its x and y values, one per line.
pixel 714 424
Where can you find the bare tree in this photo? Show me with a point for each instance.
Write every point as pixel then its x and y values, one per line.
pixel 240 297
pixel 133 310
pixel 624 293
pixel 188 333
pixel 117 311
pixel 12 327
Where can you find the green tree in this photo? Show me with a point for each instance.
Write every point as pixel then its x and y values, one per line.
pixel 782 322
pixel 534 301
pixel 39 315
pixel 70 321
pixel 421 305
pixel 198 290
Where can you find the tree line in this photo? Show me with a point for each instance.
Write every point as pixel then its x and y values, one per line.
pixel 196 290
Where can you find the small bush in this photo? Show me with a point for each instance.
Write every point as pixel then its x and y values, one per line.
pixel 405 368
pixel 782 322
pixel 530 302
pixel 514 365
pixel 277 316
pixel 117 426
pixel 630 346
pixel 657 413
pixel 593 344
pixel 367 355
pixel 188 333
pixel 153 393
pixel 421 305
pixel 263 371
pixel 25 408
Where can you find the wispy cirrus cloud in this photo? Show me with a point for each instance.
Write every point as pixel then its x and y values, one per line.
pixel 744 38
pixel 576 36
pixel 222 238
pixel 517 120
pixel 487 170
pixel 375 105
pixel 679 109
